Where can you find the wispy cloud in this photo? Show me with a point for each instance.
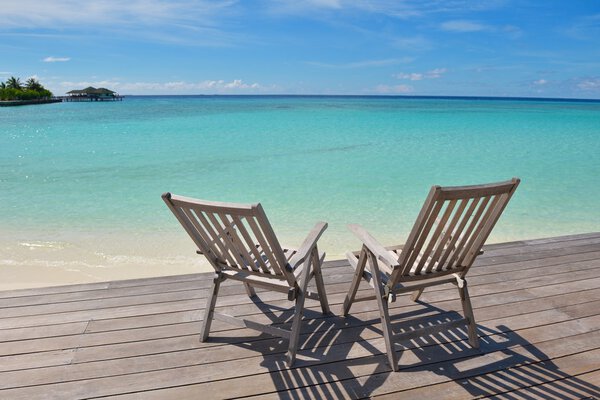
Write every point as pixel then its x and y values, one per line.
pixel 585 28
pixel 540 82
pixel 363 64
pixel 589 84
pixel 418 76
pixel 157 20
pixel 393 89
pixel 56 59
pixel 468 26
pixel 403 9
pixel 463 26
pixel 412 43
pixel 33 13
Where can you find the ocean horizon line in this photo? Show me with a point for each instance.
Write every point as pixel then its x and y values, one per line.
pixel 377 96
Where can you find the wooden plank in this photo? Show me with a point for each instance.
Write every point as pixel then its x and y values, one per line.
pixel 349 378
pixel 174 350
pixel 147 345
pixel 195 313
pixel 559 306
pixel 584 386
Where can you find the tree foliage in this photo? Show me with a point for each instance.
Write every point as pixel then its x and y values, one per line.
pixel 13 89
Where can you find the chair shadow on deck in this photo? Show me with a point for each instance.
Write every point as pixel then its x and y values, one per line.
pixel 345 358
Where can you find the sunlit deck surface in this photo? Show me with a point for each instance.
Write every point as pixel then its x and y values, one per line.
pixel 537 305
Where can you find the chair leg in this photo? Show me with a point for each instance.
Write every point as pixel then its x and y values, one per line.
pixel 386 324
pixel 468 311
pixel 416 294
pixel 358 275
pixel 249 290
pixel 210 307
pixel 298 310
pixel 296 326
pixel 316 262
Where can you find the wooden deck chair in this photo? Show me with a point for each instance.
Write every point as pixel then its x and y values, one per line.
pixel 240 244
pixel 447 236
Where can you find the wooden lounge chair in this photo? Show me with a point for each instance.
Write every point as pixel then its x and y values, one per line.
pixel 446 238
pixel 240 244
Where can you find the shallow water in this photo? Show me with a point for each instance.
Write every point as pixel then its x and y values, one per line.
pixel 76 172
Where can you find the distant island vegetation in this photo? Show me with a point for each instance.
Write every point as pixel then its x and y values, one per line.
pixel 32 89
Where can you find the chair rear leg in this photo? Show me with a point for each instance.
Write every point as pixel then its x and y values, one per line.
pixel 468 311
pixel 358 275
pixel 316 262
pixel 210 307
pixel 386 324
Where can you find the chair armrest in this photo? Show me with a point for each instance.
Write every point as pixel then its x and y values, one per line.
pixel 373 245
pixel 307 246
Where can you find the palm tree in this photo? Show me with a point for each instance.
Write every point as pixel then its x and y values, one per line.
pixel 33 84
pixel 2 85
pixel 14 83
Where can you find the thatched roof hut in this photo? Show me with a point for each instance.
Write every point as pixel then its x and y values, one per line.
pixel 93 92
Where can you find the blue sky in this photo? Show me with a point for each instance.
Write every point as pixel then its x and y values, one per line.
pixel 364 47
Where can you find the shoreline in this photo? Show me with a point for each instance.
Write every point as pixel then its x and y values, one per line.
pixel 15 103
pixel 26 264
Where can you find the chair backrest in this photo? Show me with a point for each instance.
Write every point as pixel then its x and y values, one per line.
pixel 451 228
pixel 232 236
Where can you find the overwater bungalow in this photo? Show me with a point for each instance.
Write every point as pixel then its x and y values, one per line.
pixel 92 94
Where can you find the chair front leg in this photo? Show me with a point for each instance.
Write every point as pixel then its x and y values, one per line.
pixel 358 275
pixel 298 311
pixel 316 262
pixel 382 302
pixel 249 290
pixel 468 312
pixel 416 294
pixel 210 307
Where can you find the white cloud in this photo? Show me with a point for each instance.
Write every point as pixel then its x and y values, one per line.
pixel 173 87
pixel 414 76
pixel 56 59
pixel 393 89
pixel 417 76
pixel 540 82
pixel 463 26
pixel 589 84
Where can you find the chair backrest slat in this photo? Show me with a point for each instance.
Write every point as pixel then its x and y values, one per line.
pixel 233 243
pixel 472 223
pixel 423 233
pixel 469 248
pixel 451 228
pixel 251 245
pixel 435 237
pixel 444 242
pixel 218 236
pixel 264 246
pixel 457 234
pixel 232 236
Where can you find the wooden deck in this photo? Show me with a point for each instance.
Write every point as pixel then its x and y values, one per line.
pixel 537 305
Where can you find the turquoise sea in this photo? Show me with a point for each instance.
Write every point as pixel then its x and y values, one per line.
pixel 86 178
